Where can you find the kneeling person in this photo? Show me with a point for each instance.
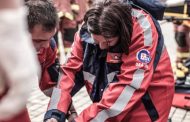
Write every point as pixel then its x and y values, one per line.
pixel 43 22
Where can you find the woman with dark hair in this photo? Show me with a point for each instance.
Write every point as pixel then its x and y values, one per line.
pixel 111 24
pixel 119 56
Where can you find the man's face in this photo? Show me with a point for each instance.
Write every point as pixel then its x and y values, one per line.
pixel 41 38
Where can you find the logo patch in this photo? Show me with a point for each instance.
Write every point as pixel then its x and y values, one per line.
pixel 113 57
pixel 143 56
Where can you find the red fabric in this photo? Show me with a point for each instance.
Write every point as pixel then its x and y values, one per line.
pixel 21 117
pixel 160 85
pixel 46 59
pixel 181 101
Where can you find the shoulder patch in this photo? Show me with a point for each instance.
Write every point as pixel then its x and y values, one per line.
pixel 143 56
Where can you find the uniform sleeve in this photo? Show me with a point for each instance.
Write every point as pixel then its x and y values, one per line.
pixel 61 98
pixel 135 76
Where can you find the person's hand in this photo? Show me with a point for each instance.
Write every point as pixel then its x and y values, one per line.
pixel 72 116
pixel 52 120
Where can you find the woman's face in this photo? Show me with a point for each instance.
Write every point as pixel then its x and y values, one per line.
pixel 104 43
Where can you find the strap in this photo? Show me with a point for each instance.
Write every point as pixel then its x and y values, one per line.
pixel 160 44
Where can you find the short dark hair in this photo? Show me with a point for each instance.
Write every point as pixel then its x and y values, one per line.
pixel 110 19
pixel 41 12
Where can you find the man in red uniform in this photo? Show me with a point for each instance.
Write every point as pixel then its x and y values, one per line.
pixel 43 22
pixel 16 52
pixel 119 56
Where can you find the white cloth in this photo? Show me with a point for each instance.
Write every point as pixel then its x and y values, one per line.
pixel 19 68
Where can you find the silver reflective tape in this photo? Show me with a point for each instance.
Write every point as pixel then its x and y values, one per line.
pixel 137 78
pixel 111 76
pixel 56 95
pixel 59 78
pixel 89 77
pixel 123 98
pixel 145 25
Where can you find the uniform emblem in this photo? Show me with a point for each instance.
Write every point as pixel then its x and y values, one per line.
pixel 113 57
pixel 143 56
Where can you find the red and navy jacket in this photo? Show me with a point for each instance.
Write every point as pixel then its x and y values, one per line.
pixel 130 88
pixel 50 67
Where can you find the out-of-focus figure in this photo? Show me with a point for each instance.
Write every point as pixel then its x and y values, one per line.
pixel 178 12
pixel 43 24
pixel 16 52
pixel 71 14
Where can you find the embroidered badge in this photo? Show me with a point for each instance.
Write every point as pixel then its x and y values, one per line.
pixel 143 56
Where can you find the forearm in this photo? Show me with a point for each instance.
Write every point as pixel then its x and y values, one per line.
pixel 61 98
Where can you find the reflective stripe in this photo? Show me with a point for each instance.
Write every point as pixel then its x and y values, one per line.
pixel 59 78
pixel 123 98
pixel 163 48
pixel 137 78
pixel 145 25
pixel 56 96
pixel 89 77
pixel 111 76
